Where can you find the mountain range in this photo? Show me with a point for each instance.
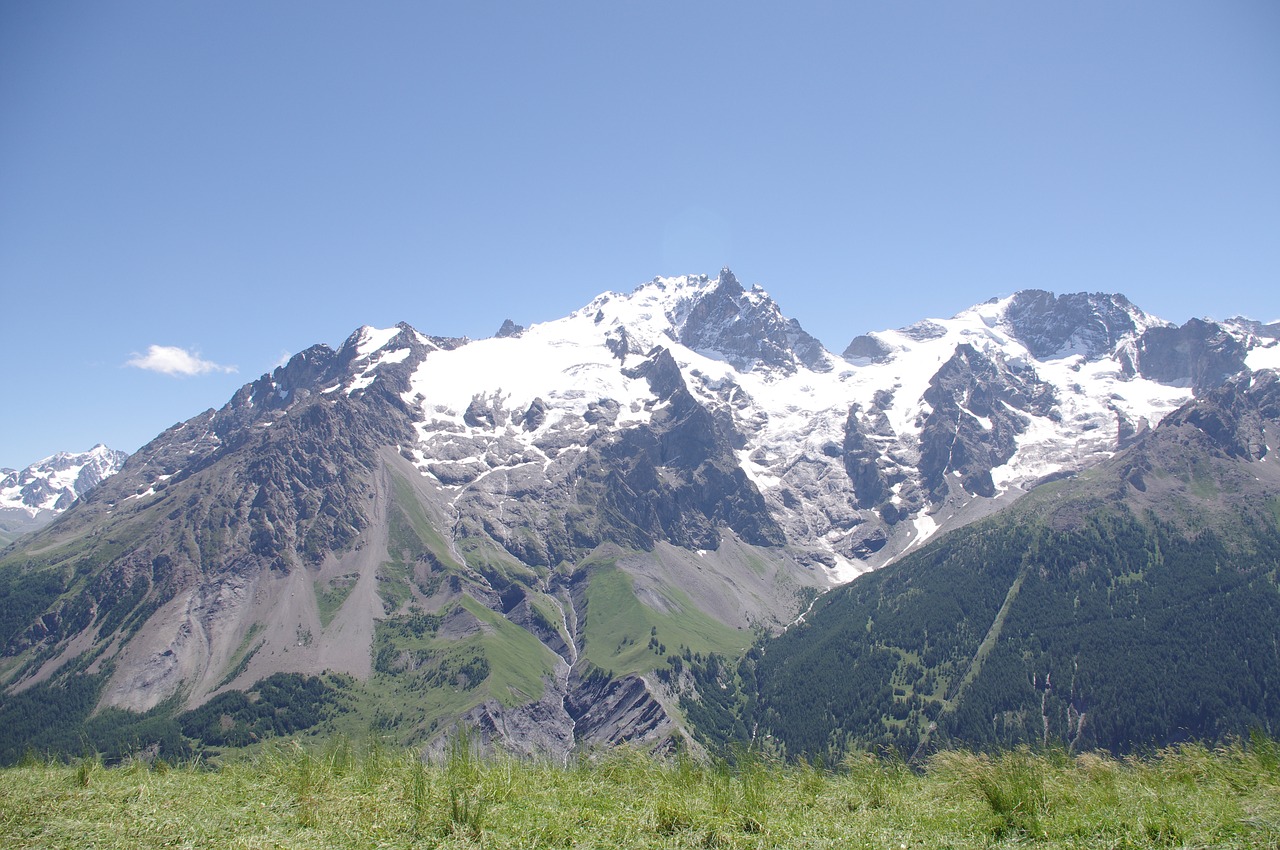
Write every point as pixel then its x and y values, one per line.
pixel 32 497
pixel 548 535
pixel 1128 608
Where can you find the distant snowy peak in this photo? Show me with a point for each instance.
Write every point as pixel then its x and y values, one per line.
pixel 856 460
pixel 54 483
pixel 1086 327
pixel 1092 325
pixel 748 329
pixel 1248 330
pixel 715 317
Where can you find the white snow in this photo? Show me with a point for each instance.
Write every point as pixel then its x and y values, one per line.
pixel 397 356
pixel 924 526
pixel 59 474
pixel 372 339
pixel 845 570
pixel 512 372
pixel 1264 357
pixel 378 357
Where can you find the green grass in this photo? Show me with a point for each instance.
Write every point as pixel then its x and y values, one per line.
pixel 1203 485
pixel 518 662
pixel 412 537
pixel 411 529
pixel 485 556
pixel 408 703
pixel 331 595
pixel 423 681
pixel 341 796
pixel 621 630
pixel 394 584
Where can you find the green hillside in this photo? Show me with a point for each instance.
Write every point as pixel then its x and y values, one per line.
pixel 1118 634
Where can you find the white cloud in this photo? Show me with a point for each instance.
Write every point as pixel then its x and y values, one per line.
pixel 284 359
pixel 171 360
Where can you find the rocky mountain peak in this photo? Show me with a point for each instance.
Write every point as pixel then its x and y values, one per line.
pixel 1087 323
pixel 1250 328
pixel 1199 355
pixel 509 329
pixel 716 317
pixel 749 330
pixel 978 405
pixel 50 486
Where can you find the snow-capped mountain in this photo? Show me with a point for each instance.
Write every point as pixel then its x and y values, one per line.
pixel 857 458
pixel 514 517
pixel 1129 608
pixel 46 488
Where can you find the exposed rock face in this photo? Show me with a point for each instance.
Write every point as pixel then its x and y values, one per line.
pixel 1199 355
pixel 1213 444
pixel 860 461
pixel 867 347
pixel 614 711
pixel 748 328
pixel 979 407
pixel 1234 415
pixel 535 729
pixel 1092 324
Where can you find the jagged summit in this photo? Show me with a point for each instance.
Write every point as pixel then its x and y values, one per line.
pixel 1091 324
pixel 52 484
pixel 34 496
pixel 509 328
pixel 1088 324
pixel 749 329
pixel 714 316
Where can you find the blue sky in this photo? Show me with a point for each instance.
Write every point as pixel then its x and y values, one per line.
pixel 234 181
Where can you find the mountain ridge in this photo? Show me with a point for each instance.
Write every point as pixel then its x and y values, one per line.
pixel 33 496
pixel 1133 607
pixel 502 524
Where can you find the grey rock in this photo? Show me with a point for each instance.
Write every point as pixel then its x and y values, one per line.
pixel 614 711
pixel 977 411
pixel 861 460
pixel 866 347
pixel 535 415
pixel 1199 355
pixel 1091 323
pixel 749 330
pixel 509 329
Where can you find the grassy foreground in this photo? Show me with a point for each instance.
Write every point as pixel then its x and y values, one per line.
pixel 287 797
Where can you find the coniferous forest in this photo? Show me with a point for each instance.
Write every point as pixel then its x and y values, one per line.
pixel 1120 633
